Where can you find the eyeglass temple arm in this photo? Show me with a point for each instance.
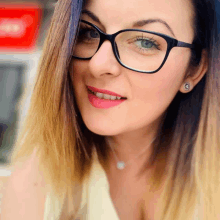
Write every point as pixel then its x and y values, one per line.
pixel 183 44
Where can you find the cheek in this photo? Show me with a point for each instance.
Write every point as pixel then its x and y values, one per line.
pixel 170 78
pixel 77 75
pixel 78 81
pixel 76 70
pixel 155 92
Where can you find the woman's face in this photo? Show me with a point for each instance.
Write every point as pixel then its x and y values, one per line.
pixel 147 95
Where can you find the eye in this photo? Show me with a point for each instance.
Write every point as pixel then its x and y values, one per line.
pixel 88 33
pixel 145 43
pixel 93 34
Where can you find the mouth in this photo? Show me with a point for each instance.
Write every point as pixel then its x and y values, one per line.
pixel 102 95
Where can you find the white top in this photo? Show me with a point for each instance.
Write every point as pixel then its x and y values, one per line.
pixel 96 202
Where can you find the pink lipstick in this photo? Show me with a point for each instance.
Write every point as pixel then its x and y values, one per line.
pixel 93 89
pixel 98 102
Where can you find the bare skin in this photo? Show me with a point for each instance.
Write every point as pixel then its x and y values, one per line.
pixel 132 125
pixel 127 190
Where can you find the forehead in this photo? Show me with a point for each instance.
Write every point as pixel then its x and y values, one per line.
pixel 119 14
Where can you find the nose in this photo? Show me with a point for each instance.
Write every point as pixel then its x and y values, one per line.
pixel 104 62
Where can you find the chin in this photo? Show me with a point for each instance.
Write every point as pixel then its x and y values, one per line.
pixel 103 131
pixel 101 128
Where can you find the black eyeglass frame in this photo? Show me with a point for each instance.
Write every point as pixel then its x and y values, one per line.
pixel 171 42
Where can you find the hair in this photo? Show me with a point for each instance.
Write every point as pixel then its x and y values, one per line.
pixel 185 155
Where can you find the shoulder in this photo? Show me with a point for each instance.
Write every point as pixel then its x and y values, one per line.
pixel 25 191
pixel 3 182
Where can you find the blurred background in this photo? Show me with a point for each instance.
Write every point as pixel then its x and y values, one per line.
pixel 23 28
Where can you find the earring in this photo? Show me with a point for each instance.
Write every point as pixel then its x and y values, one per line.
pixel 187 86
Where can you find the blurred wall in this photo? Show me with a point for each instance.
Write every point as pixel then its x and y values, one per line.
pixel 17 74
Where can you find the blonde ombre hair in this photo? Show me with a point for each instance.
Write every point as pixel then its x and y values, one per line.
pixel 185 156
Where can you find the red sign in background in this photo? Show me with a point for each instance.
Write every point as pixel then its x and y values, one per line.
pixel 19 26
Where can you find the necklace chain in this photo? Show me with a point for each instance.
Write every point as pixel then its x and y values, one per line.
pixel 121 164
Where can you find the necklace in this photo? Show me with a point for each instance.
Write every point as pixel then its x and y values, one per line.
pixel 121 164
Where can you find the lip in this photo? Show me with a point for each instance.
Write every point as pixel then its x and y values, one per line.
pixel 104 91
pixel 103 103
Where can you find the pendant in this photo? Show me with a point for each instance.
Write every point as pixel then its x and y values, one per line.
pixel 121 165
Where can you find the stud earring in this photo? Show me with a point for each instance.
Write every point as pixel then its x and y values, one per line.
pixel 187 86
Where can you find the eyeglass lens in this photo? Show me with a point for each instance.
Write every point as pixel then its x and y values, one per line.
pixel 137 50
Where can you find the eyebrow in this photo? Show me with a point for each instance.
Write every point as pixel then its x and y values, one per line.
pixel 140 23
pixel 150 21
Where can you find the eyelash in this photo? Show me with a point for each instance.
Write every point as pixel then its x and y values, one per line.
pixel 150 40
pixel 83 30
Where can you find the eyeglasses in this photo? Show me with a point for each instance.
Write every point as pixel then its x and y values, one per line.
pixel 137 50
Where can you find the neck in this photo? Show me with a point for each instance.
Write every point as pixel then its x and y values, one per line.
pixel 131 147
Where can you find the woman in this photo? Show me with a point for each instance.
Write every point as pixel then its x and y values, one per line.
pixel 123 124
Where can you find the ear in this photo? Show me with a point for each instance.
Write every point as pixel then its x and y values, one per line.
pixel 196 73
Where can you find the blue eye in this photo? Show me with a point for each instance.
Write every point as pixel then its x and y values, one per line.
pixel 145 44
